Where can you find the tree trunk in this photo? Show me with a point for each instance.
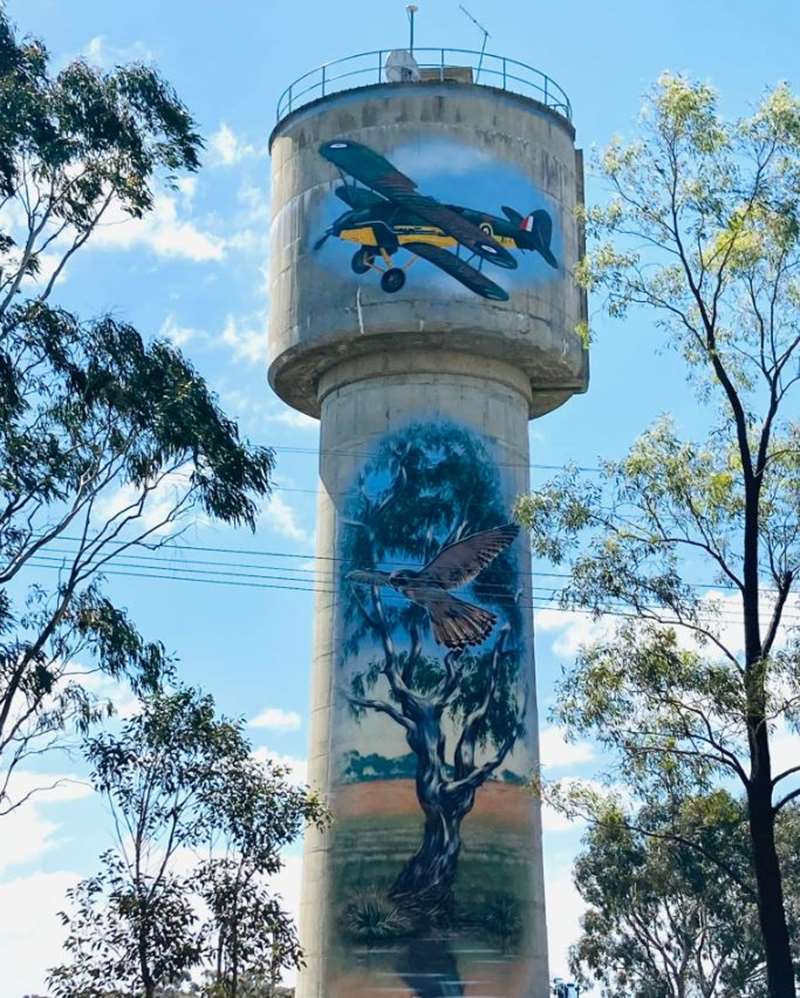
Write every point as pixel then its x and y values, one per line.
pixel 766 866
pixel 430 873
pixel 432 869
pixel 148 983
pixel 769 888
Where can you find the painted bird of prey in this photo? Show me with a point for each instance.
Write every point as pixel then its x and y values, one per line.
pixel 456 623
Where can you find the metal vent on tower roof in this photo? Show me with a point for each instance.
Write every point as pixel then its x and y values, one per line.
pixel 401 67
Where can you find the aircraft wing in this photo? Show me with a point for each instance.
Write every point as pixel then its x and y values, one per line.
pixel 459 269
pixel 368 166
pixel 359 199
pixel 376 172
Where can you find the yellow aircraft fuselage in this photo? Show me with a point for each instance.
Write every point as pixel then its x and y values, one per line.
pixel 365 236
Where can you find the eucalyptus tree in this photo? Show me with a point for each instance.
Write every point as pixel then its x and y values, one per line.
pixel 106 440
pixel 199 824
pixel 660 921
pixel 702 234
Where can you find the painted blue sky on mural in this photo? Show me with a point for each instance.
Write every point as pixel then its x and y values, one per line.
pixel 453 174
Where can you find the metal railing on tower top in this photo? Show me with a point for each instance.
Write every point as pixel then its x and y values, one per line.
pixel 461 65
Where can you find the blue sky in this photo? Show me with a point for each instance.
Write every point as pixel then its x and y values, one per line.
pixel 195 271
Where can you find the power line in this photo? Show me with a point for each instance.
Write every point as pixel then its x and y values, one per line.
pixel 240 570
pixel 259 553
pixel 179 574
pixel 336 452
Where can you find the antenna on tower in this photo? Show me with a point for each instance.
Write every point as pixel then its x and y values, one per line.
pixel 486 35
pixel 411 9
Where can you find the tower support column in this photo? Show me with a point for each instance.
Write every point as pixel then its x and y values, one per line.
pixel 400 433
pixel 423 306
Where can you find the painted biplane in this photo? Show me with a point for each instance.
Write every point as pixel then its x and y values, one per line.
pixel 387 214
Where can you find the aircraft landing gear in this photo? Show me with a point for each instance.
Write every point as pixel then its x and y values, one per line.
pixel 393 279
pixel 362 260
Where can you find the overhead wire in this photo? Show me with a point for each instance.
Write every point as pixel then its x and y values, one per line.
pixel 343 452
pixel 153 561
pixel 313 557
pixel 138 568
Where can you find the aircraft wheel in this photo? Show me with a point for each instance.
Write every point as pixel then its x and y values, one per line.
pixel 362 260
pixel 392 280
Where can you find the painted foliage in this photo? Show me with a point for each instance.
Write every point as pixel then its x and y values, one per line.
pixel 448 217
pixel 435 674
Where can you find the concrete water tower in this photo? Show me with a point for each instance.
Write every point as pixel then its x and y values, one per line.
pixel 423 307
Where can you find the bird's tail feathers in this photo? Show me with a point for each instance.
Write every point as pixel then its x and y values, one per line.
pixel 457 624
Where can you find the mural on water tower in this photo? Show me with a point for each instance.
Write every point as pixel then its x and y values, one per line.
pixel 433 756
pixel 388 215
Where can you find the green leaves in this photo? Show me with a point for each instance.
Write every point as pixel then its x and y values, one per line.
pixel 179 777
pixel 701 227
pixel 694 544
pixel 106 440
pixel 661 920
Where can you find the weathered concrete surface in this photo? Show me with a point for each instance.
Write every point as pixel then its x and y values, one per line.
pixel 319 317
pixel 361 402
pixel 369 365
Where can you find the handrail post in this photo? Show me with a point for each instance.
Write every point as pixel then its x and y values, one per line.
pixel 441 67
pixel 323 80
pixel 380 67
pixel 545 92
pixel 504 73
pixel 290 97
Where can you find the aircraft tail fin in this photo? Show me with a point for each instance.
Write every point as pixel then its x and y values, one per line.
pixel 512 215
pixel 540 225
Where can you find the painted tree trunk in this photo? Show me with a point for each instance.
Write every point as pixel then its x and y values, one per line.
pixel 431 870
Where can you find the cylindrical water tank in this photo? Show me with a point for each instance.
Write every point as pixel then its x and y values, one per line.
pixel 423 305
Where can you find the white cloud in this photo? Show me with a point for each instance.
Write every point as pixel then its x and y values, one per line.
pixel 248 343
pixel 565 907
pixel 275 719
pixel 555 752
pixel 227 148
pixel 256 200
pixel 575 629
pixel 784 750
pixel 177 334
pixel 298 768
pixel 157 507
pixel 554 821
pixel 48 264
pixel 100 53
pixel 27 832
pixel 187 186
pixel 297 420
pixel 104 687
pixel 276 514
pixel 720 613
pixel 31 934
pixel 160 230
pixel 287 885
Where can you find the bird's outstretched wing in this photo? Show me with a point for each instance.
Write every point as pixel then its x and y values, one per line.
pixel 457 624
pixel 462 561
